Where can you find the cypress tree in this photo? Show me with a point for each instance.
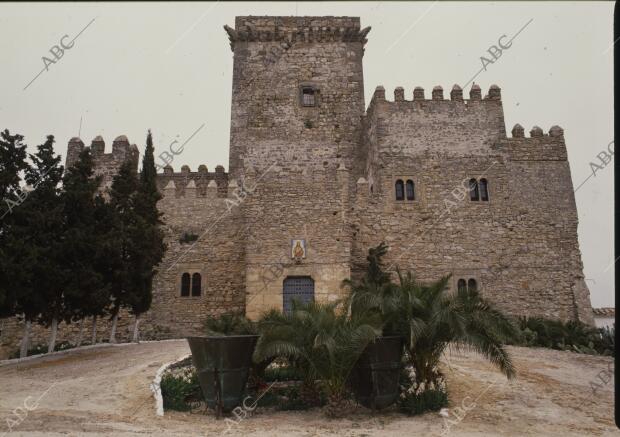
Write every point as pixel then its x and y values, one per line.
pixel 107 259
pixel 124 224
pixel 13 279
pixel 148 240
pixel 12 162
pixel 40 222
pixel 85 292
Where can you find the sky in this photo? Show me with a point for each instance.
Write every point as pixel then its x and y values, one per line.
pixel 168 67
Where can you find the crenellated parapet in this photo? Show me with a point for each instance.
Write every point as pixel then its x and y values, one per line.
pixel 406 127
pixel 437 96
pixel 106 165
pixel 539 146
pixel 186 206
pixel 200 180
pixel 296 29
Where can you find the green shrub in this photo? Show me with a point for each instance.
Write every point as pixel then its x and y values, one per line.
pixel 418 397
pixel 428 400
pixel 571 336
pixel 229 324
pixel 178 390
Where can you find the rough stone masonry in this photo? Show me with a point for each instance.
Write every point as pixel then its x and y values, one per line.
pixel 437 179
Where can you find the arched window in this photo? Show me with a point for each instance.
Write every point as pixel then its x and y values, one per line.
pixel 472 285
pixel 196 286
pixel 400 190
pixel 185 284
pixel 410 190
pixel 484 190
pixel 461 285
pixel 473 189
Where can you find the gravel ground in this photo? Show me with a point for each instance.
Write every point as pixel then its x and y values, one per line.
pixel 105 391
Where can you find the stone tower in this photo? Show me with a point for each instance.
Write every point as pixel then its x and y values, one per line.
pixel 297 103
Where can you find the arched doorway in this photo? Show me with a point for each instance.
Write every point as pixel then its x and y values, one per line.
pixel 299 288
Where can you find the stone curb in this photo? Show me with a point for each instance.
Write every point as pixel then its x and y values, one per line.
pixel 156 384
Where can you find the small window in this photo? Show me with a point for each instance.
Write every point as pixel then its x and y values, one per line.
pixel 185 284
pixel 308 96
pixel 461 285
pixel 484 190
pixel 472 285
pixel 196 286
pixel 410 190
pixel 473 190
pixel 400 188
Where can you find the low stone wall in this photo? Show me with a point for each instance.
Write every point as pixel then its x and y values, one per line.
pixel 12 329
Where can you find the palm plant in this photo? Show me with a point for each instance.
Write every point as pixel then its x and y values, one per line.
pixel 321 342
pixel 431 319
pixel 374 295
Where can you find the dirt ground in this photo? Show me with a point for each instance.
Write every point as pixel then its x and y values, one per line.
pixel 105 391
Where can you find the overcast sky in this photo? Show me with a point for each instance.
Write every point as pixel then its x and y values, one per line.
pixel 168 67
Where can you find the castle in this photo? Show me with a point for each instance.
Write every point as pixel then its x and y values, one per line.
pixel 316 178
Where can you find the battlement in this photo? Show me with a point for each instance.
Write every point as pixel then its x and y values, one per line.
pixel 201 181
pixel 296 29
pixel 455 127
pixel 437 95
pixel 106 165
pixel 539 146
pixel 555 132
pixel 121 149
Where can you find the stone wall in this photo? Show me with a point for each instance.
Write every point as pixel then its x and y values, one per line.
pixel 286 206
pixel 12 329
pixel 520 246
pixel 217 255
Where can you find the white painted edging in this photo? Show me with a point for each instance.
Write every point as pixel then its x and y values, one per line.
pixel 156 384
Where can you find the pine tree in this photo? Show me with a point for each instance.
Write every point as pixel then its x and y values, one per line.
pixel 85 292
pixel 40 229
pixel 148 238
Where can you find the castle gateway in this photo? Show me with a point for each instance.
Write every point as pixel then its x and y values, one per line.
pixel 316 177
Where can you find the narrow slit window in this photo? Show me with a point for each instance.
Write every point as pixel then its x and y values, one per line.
pixel 400 188
pixel 185 279
pixel 196 284
pixel 473 190
pixel 308 97
pixel 410 190
pixel 484 190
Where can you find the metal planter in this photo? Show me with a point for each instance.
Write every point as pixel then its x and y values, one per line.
pixel 223 365
pixel 375 377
